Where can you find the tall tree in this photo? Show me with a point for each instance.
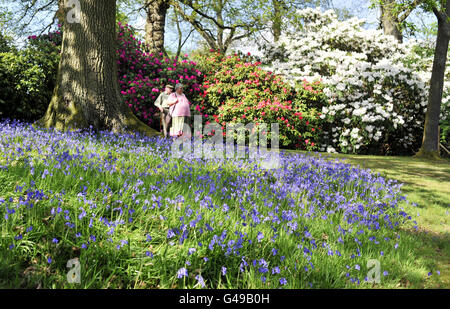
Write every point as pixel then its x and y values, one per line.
pixel 430 143
pixel 87 90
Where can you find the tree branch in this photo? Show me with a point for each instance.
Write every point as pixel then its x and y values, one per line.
pixel 408 10
pixel 214 20
pixel 205 33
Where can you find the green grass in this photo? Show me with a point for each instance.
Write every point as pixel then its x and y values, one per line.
pixel 427 184
pixel 118 173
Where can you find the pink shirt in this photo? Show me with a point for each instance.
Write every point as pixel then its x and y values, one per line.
pixel 181 108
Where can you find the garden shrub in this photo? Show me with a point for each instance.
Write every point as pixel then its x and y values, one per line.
pixel 238 90
pixel 377 96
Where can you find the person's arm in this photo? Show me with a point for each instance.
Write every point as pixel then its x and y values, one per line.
pixel 172 100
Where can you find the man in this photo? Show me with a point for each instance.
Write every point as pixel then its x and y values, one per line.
pixel 163 106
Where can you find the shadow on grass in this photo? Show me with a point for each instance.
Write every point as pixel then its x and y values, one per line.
pixel 415 168
pixel 433 251
pixel 427 195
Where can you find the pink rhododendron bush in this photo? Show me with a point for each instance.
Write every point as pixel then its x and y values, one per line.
pixel 142 75
pixel 376 88
pixel 238 90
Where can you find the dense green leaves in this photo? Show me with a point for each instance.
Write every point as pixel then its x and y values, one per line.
pixel 27 79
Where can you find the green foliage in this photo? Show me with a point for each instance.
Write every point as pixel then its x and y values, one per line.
pixel 5 35
pixel 27 79
pixel 4 44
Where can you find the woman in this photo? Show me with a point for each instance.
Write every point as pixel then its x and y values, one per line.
pixel 179 110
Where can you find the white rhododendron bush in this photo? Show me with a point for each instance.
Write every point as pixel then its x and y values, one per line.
pixel 377 88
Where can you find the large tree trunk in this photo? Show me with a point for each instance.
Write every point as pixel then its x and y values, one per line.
pixel 155 26
pixel 87 90
pixel 430 143
pixel 389 21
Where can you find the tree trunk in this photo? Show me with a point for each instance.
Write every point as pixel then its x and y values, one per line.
pixel 87 90
pixel 389 21
pixel 430 142
pixel 155 26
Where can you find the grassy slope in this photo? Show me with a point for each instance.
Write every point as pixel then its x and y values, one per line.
pixel 427 184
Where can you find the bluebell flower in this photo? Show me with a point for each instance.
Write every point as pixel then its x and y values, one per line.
pixel 224 270
pixel 283 281
pixel 260 236
pixel 200 280
pixel 182 272
pixel 170 234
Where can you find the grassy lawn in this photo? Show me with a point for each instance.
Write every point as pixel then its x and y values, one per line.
pixel 426 184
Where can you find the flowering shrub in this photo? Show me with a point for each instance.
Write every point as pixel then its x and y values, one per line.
pixel 377 99
pixel 142 76
pixel 239 91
